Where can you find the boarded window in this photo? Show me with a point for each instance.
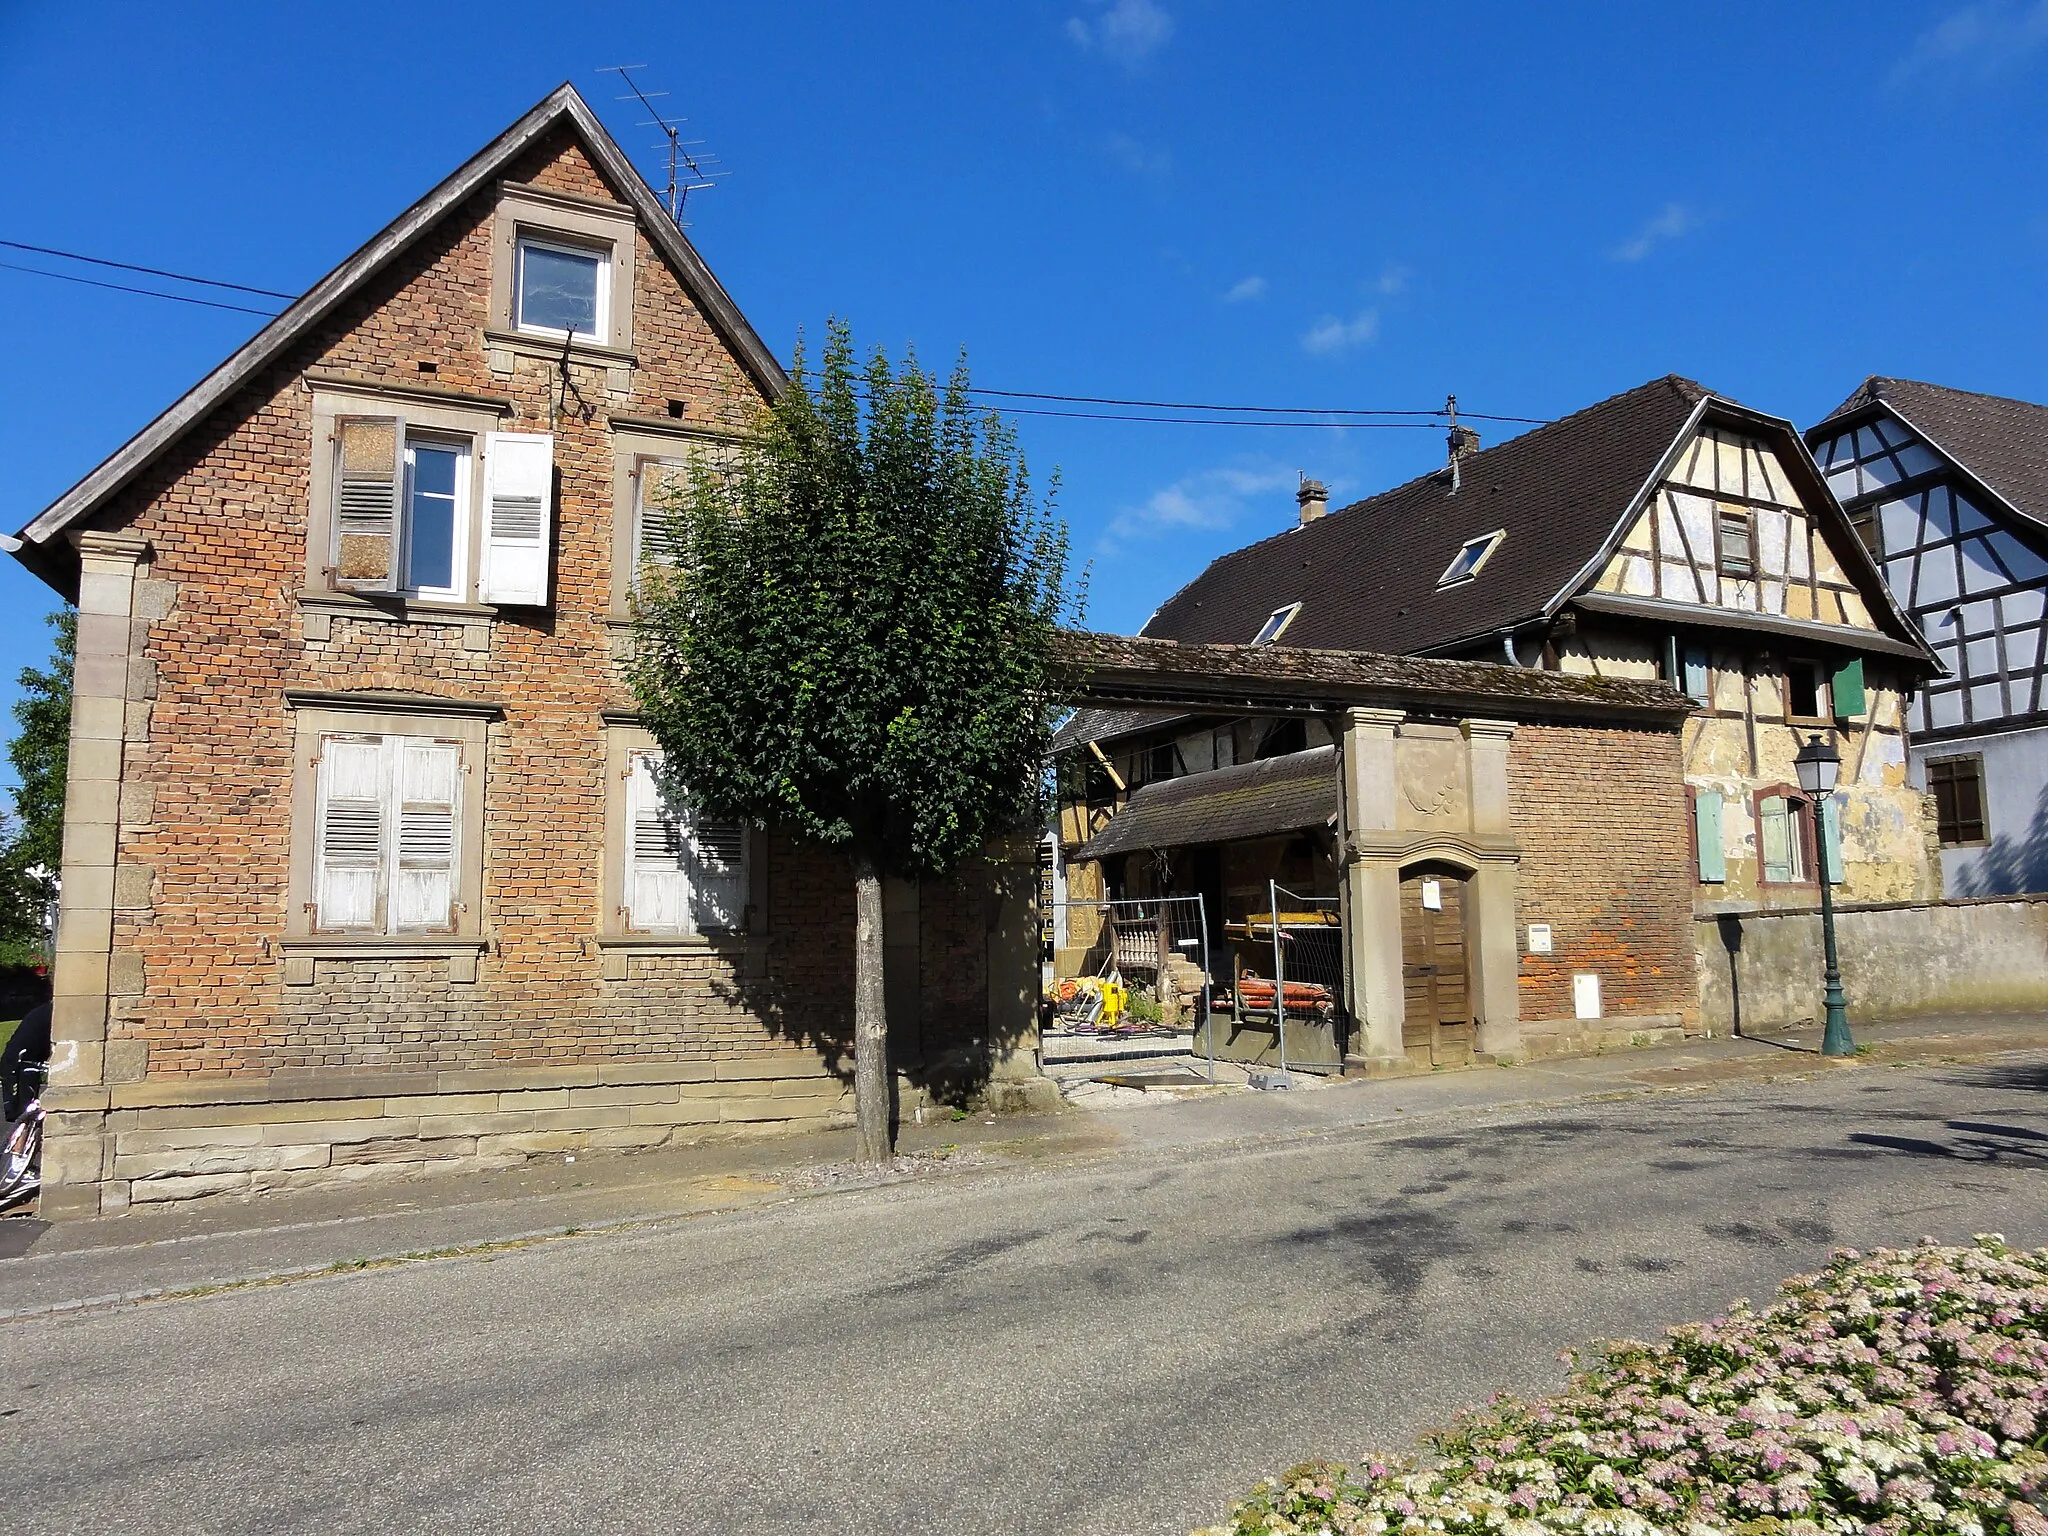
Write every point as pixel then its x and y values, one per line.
pixel 1957 784
pixel 1737 544
pixel 1782 837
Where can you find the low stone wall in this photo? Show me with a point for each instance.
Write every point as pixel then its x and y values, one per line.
pixel 1898 958
pixel 157 1141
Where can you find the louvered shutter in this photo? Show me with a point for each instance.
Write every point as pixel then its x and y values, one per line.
pixel 519 480
pixel 428 791
pixel 1706 832
pixel 662 481
pixel 350 844
pixel 369 484
pixel 1831 840
pixel 716 858
pixel 657 890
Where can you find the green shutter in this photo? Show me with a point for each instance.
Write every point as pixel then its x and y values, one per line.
pixel 1706 830
pixel 1831 839
pixel 1848 689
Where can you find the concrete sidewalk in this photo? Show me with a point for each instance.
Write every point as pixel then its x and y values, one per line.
pixel 153 1253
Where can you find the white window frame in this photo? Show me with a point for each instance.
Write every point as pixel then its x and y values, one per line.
pixel 464 531
pixel 1276 624
pixel 533 240
pixel 1484 546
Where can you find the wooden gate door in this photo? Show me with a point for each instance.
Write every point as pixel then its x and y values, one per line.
pixel 1436 988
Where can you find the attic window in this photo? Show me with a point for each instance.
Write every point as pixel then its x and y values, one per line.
pixel 1471 555
pixel 1276 624
pixel 561 290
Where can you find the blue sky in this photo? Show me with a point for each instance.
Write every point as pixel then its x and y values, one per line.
pixel 1354 205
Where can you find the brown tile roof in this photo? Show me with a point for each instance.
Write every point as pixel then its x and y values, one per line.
pixel 1281 794
pixel 2000 441
pixel 1127 671
pixel 1366 575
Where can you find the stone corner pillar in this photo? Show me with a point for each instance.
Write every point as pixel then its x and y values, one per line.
pixel 1372 883
pixel 75 1143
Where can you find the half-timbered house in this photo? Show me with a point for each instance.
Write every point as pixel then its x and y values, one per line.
pixel 1949 490
pixel 1666 533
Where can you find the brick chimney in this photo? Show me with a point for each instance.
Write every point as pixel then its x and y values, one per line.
pixel 1313 498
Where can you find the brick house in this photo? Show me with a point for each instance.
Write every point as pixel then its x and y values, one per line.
pixel 364 868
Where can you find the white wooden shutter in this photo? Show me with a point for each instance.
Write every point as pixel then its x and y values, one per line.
pixel 519 480
pixel 369 485
pixel 657 890
pixel 349 856
pixel 717 864
pixel 661 482
pixel 428 791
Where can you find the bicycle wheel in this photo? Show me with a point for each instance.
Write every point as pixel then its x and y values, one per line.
pixel 21 1160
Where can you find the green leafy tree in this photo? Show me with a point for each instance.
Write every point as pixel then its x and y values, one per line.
pixel 32 848
pixel 854 641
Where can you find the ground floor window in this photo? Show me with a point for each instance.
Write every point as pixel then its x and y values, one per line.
pixel 1957 784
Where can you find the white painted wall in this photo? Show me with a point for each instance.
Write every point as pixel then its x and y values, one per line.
pixel 2016 810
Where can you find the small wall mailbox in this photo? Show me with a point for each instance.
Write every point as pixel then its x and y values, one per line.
pixel 1539 938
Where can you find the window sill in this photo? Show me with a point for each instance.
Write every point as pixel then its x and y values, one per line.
pixel 615 951
pixel 589 353
pixel 317 611
pixel 300 953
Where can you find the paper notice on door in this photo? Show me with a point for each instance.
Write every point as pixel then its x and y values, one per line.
pixel 1432 895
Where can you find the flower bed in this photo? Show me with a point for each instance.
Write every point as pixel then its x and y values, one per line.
pixel 1900 1391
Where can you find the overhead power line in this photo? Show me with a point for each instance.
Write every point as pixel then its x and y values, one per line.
pixel 176 298
pixel 1341 418
pixel 126 266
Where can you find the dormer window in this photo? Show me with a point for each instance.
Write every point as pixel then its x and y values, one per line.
pixel 562 289
pixel 1471 555
pixel 1276 624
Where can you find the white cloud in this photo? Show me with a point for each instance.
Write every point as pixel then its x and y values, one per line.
pixel 1332 335
pixel 1139 158
pixel 1675 221
pixel 1393 279
pixel 1129 31
pixel 1206 499
pixel 1246 289
pixel 1984 38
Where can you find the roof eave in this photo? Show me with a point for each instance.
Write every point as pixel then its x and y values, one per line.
pixel 119 468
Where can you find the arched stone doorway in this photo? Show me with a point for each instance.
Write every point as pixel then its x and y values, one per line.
pixel 1437 1024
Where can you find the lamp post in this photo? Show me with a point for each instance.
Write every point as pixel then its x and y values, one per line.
pixel 1819 765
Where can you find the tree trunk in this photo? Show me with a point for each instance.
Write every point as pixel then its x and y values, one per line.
pixel 870 1017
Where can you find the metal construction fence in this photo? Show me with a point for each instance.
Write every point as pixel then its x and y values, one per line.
pixel 1129 979
pixel 1302 1001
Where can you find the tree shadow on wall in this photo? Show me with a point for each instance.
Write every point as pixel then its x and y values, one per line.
pixel 2011 864
pixel 796 981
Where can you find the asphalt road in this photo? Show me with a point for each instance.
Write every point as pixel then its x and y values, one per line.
pixel 1111 1345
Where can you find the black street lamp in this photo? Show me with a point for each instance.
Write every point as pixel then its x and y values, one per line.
pixel 1819 765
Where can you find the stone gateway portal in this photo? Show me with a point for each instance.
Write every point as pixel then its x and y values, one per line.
pixel 1436 988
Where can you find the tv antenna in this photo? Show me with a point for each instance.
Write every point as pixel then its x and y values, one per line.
pixel 687 172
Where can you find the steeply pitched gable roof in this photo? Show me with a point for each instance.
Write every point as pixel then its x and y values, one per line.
pixel 562 105
pixel 1366 575
pixel 2001 442
pixel 1563 495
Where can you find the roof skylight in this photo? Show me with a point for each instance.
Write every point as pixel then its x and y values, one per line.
pixel 1470 557
pixel 1276 624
